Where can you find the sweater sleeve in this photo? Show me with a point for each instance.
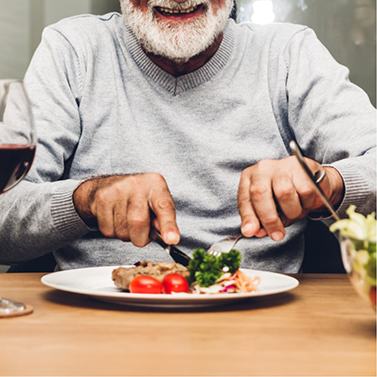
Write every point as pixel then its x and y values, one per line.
pixel 38 215
pixel 332 119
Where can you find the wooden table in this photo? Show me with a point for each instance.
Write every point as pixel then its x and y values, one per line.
pixel 320 328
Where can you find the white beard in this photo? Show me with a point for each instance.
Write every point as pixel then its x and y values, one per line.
pixel 176 41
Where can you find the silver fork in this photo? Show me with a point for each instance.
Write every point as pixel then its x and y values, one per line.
pixel 224 245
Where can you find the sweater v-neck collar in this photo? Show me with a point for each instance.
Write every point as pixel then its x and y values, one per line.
pixel 178 85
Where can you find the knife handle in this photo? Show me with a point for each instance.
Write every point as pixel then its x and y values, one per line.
pixel 177 255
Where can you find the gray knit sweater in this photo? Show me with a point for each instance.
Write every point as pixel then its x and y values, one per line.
pixel 102 107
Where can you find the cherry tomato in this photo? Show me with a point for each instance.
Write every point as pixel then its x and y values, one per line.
pixel 145 284
pixel 174 283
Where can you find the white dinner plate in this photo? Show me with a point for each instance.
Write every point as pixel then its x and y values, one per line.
pixel 97 283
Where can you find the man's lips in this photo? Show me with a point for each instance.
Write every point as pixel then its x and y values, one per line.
pixel 178 15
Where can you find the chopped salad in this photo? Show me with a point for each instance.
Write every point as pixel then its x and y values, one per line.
pixel 211 275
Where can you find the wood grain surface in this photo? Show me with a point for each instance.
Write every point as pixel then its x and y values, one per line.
pixel 320 328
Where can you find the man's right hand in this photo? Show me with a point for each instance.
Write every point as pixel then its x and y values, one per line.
pixel 124 206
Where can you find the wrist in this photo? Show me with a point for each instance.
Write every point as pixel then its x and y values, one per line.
pixel 81 202
pixel 336 186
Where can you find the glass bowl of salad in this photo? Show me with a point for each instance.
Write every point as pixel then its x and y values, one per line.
pixel 357 237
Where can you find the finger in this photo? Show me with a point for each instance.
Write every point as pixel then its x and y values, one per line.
pixel 304 186
pixel 287 222
pixel 261 233
pixel 162 204
pixel 138 221
pixel 305 191
pixel 156 225
pixel 103 211
pixel 286 196
pixel 263 202
pixel 120 221
pixel 249 221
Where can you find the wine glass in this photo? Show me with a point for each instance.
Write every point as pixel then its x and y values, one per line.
pixel 17 150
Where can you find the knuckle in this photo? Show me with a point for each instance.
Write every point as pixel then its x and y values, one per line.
pixel 107 232
pixel 137 222
pixel 138 242
pixel 264 164
pixel 258 190
pixel 306 192
pixel 283 192
pixel 101 198
pixel 156 179
pixel 270 221
pixel 131 180
pixel 255 169
pixel 246 173
pixel 122 234
pixel 165 205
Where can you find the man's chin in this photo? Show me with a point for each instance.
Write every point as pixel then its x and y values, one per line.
pixel 179 47
pixel 179 60
pixel 173 56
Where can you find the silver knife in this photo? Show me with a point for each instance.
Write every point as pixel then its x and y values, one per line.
pixel 178 255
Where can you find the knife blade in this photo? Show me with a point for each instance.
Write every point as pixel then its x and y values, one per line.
pixel 178 255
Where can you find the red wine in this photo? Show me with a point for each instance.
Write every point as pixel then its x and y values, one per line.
pixel 15 162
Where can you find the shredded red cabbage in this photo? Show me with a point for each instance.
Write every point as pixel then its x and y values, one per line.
pixel 228 287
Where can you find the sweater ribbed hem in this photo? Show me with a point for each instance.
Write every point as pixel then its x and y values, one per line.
pixel 178 85
pixel 64 214
pixel 356 189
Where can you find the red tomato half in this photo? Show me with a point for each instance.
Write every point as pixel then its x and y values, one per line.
pixel 174 283
pixel 145 284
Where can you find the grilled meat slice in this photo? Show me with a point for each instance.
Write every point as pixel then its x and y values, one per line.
pixel 122 276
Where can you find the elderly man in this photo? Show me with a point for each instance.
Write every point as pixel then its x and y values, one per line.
pixel 172 115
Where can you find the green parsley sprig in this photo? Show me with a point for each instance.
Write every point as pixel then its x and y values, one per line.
pixel 205 269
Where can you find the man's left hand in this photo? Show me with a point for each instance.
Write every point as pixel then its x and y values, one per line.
pixel 273 194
